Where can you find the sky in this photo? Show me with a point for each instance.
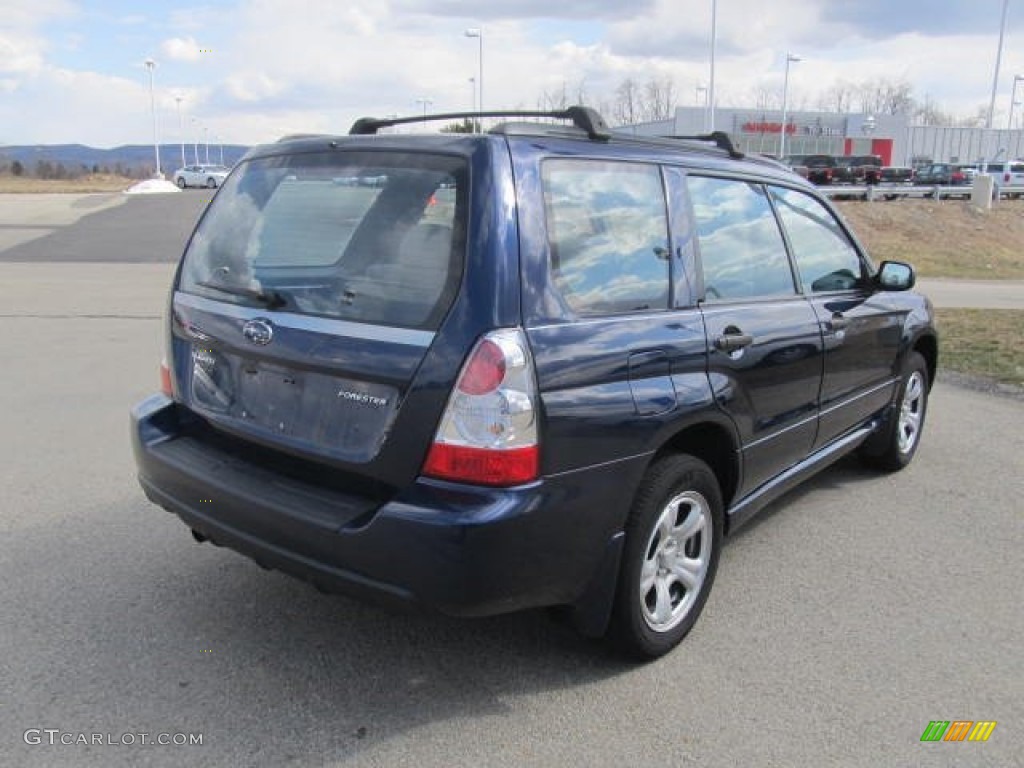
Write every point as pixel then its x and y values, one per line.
pixel 251 71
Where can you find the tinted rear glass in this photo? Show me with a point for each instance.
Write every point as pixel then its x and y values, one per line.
pixel 372 237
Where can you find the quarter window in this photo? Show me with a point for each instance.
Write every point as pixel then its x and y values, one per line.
pixel 742 252
pixel 825 258
pixel 608 235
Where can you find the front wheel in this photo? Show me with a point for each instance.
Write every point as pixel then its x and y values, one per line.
pixel 894 447
pixel 181 182
pixel 673 540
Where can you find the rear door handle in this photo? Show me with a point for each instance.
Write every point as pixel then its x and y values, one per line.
pixel 731 341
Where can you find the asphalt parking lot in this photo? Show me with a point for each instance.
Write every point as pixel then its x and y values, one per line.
pixel 843 620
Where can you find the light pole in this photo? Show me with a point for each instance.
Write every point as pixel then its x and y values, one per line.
pixel 790 58
pixel 1013 100
pixel 472 98
pixel 220 141
pixel 702 97
pixel 478 33
pixel 195 137
pixel 151 65
pixel 425 102
pixel 709 114
pixel 999 59
pixel 181 131
pixel 206 140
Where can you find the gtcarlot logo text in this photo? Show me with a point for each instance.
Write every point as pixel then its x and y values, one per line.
pixel 55 736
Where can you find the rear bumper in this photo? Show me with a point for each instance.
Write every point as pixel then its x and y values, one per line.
pixel 461 550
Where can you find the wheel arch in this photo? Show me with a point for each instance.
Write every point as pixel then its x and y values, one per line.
pixel 715 445
pixel 928 347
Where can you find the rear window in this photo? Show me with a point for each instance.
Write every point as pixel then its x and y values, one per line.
pixel 372 237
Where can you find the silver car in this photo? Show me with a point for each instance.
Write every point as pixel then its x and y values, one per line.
pixel 210 176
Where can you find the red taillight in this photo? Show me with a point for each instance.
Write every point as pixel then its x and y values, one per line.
pixel 481 465
pixel 165 379
pixel 484 371
pixel 1006 178
pixel 957 177
pixel 488 432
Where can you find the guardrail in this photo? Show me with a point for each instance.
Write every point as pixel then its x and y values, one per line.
pixel 893 191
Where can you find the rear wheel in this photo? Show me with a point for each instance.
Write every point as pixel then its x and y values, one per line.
pixel 673 540
pixel 211 183
pixel 895 446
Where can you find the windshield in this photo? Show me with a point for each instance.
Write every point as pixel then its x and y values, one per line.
pixel 372 237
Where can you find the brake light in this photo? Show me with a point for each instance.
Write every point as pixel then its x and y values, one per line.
pixel 488 433
pixel 165 379
pixel 1006 178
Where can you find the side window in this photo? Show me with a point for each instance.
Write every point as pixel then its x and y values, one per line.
pixel 825 258
pixel 742 251
pixel 608 234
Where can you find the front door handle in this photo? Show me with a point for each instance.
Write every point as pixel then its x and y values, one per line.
pixel 732 340
pixel 838 322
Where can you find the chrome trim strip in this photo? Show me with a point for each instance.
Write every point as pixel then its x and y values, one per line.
pixel 409 337
pixel 866 393
pixel 784 430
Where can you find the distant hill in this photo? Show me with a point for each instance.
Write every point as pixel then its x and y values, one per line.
pixel 129 157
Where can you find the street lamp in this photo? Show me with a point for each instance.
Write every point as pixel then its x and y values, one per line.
pixel 181 131
pixel 206 140
pixel 151 65
pixel 790 58
pixel 1013 100
pixel 425 102
pixel 195 137
pixel 478 33
pixel 999 59
pixel 709 113
pixel 472 98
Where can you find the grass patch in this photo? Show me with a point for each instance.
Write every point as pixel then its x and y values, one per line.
pixel 950 238
pixel 983 342
pixel 82 185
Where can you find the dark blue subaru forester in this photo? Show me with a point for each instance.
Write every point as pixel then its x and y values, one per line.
pixel 549 365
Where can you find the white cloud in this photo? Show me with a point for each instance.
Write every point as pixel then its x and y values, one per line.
pixel 181 49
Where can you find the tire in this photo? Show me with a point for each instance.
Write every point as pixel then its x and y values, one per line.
pixel 895 446
pixel 181 182
pixel 211 183
pixel 674 535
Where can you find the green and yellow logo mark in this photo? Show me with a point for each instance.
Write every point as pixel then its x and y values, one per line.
pixel 958 730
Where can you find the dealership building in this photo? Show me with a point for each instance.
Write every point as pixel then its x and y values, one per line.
pixel 891 137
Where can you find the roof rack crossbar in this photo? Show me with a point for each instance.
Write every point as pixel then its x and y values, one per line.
pixel 584 118
pixel 720 139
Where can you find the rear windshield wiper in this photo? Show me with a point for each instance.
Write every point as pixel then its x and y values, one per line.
pixel 271 299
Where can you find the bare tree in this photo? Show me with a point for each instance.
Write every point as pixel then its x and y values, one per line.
pixel 659 99
pixel 627 102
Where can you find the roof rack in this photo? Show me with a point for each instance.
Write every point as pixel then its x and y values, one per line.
pixel 584 118
pixel 720 139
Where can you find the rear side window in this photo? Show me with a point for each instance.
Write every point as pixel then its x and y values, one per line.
pixel 372 237
pixel 608 235
pixel 742 252
pixel 825 258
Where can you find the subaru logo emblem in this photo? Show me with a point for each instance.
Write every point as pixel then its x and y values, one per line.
pixel 258 331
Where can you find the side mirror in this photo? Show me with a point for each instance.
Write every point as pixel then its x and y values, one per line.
pixel 895 276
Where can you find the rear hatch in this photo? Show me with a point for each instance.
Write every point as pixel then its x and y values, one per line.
pixel 308 299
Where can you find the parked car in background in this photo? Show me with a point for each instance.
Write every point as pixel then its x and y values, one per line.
pixel 896 174
pixel 820 168
pixel 1005 174
pixel 210 176
pixel 540 366
pixel 942 175
pixel 857 169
